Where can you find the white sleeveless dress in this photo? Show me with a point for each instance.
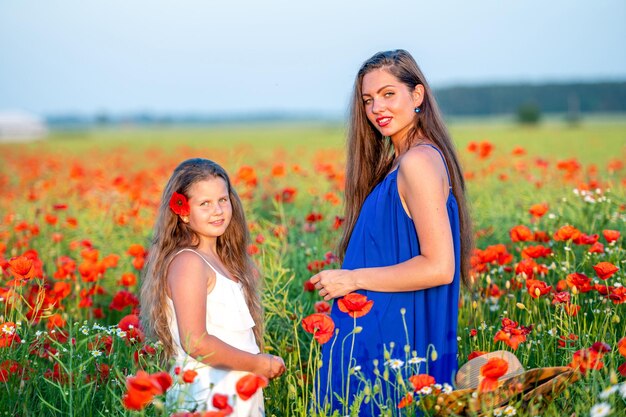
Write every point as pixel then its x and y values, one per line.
pixel 227 318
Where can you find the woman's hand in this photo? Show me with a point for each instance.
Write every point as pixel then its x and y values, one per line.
pixel 269 366
pixel 334 283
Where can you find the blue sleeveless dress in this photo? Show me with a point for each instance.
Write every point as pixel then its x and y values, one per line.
pixel 384 235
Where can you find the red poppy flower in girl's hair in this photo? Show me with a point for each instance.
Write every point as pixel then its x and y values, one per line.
pixel 320 326
pixel 179 204
pixel 605 270
pixel 248 385
pixel 491 371
pixel 356 305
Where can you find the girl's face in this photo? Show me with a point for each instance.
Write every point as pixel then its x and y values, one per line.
pixel 389 104
pixel 210 208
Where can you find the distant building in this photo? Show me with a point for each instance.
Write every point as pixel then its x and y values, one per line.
pixel 21 126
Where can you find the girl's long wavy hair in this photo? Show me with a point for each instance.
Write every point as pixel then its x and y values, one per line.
pixel 370 155
pixel 171 234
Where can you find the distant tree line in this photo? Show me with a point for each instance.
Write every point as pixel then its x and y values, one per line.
pixel 572 99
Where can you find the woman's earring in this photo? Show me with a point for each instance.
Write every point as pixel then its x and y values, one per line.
pixel 417 109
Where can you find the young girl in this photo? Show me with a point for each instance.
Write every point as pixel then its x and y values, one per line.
pixel 199 294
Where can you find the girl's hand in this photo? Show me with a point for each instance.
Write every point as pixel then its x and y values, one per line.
pixel 270 366
pixel 334 283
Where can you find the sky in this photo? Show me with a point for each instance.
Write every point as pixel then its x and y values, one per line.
pixel 206 57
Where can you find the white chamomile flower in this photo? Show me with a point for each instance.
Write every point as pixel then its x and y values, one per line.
pixel 96 353
pixel 510 411
pixel 416 359
pixel 394 363
pixel 426 391
pixel 447 388
pixel 497 413
pixel 356 369
pixel 600 410
pixel 606 393
pixel 8 329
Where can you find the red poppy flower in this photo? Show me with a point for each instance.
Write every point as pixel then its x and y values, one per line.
pixel 421 380
pixel 123 299
pixel 535 252
pixel 246 175
pixel 356 305
pixel 128 279
pixel 611 235
pixel 322 307
pixel 220 401
pixel 580 281
pixel 491 371
pixel 137 250
pixel 132 326
pixel 308 286
pixel 537 288
pixel 521 233
pixel 189 375
pixel 596 248
pixel 406 400
pixel 179 204
pixel 142 388
pixel 21 268
pixel 249 384
pixel 584 239
pixel 287 195
pixel 538 210
pixel 561 297
pixel 321 326
pixel 621 346
pixel 586 359
pixel 605 270
pixel 567 232
pixel 475 354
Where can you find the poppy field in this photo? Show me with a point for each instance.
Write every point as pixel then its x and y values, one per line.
pixel 76 211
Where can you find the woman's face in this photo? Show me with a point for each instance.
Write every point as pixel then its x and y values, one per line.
pixel 389 104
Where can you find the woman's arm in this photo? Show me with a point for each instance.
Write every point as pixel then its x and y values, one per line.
pixel 188 279
pixel 423 186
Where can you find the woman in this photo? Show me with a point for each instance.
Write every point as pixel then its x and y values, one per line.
pixel 407 236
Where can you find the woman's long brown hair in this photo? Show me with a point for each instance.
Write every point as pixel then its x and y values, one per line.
pixel 370 155
pixel 171 234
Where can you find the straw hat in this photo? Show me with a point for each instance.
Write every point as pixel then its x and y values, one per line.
pixel 536 386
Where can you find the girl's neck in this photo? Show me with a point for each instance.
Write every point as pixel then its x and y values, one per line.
pixel 208 246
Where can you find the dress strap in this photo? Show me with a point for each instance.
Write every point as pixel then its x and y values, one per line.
pixel 200 255
pixel 442 157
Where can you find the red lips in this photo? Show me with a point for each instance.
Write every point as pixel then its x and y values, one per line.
pixel 383 121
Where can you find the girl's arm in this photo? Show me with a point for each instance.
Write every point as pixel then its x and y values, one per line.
pixel 423 186
pixel 189 279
